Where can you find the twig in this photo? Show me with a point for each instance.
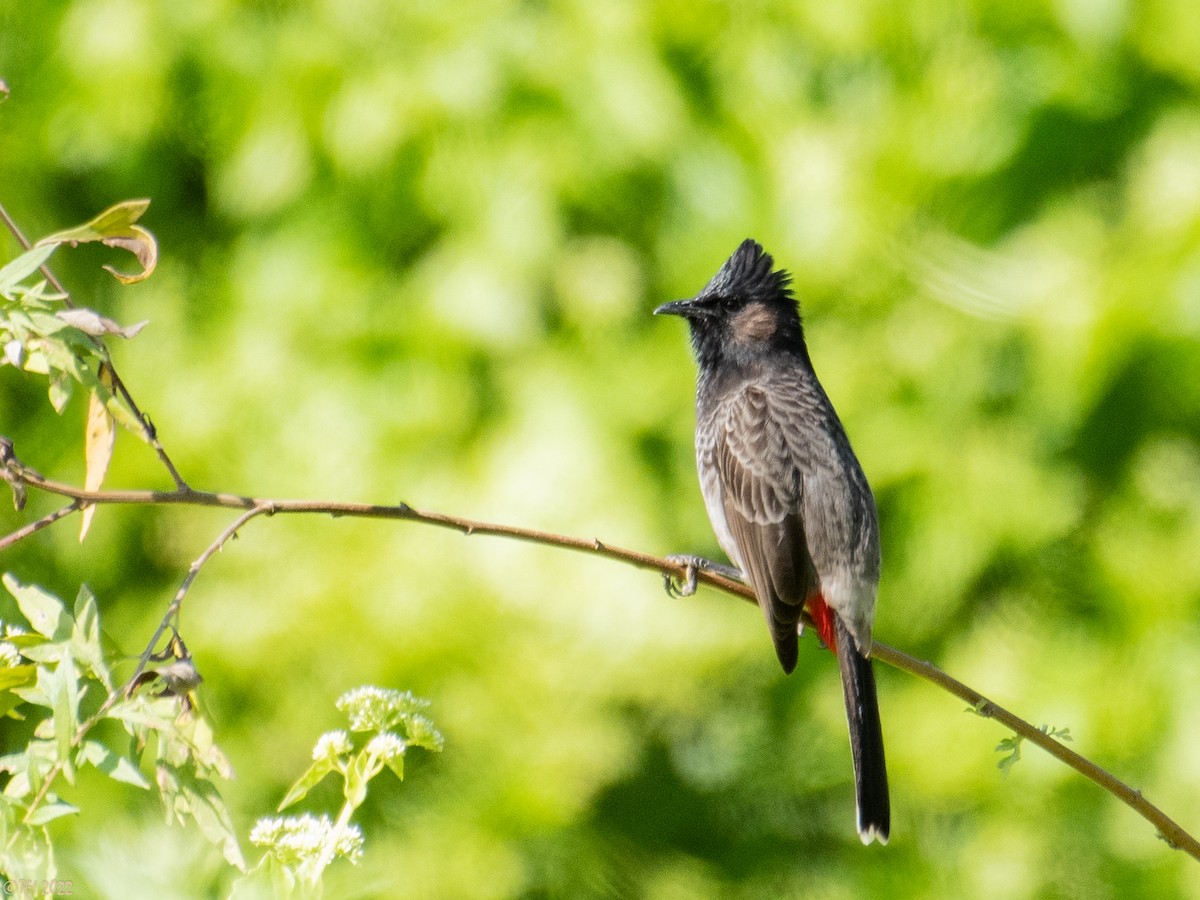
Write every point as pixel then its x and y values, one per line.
pixel 1170 830
pixel 47 520
pixel 1174 835
pixel 148 429
pixel 172 613
pixel 192 497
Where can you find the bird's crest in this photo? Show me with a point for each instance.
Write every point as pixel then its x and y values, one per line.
pixel 750 273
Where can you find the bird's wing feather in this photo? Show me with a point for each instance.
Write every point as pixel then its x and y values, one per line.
pixel 762 500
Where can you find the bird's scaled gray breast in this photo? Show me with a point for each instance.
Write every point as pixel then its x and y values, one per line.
pixel 710 485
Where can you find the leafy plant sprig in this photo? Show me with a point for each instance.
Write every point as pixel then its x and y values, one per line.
pixel 58 673
pixel 298 849
pixel 1011 746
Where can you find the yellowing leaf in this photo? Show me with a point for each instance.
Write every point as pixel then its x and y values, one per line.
pixel 101 436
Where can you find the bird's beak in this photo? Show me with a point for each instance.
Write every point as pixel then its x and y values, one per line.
pixel 683 308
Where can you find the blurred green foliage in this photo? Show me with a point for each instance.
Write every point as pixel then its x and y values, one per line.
pixel 409 252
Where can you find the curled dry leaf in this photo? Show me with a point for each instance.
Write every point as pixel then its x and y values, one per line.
pixel 141 244
pixel 115 227
pixel 91 322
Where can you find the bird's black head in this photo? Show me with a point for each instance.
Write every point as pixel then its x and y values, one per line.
pixel 745 311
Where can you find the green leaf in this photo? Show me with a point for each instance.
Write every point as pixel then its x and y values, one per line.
pixel 70 358
pixel 39 693
pixel 46 323
pixel 25 641
pixel 24 266
pixel 64 694
pixel 85 636
pixel 29 768
pixel 113 765
pixel 17 676
pixel 114 220
pixel 61 388
pixel 20 322
pixel 1011 746
pixel 396 764
pixel 48 812
pixel 1059 734
pixel 363 767
pixel 60 391
pixel 36 361
pixel 306 782
pixel 9 701
pixel 29 854
pixel 45 651
pixel 185 796
pixel 44 612
pixel 14 762
pixel 201 747
pixel 124 415
pixel 156 713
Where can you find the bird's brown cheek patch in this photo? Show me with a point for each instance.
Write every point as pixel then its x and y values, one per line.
pixel 753 324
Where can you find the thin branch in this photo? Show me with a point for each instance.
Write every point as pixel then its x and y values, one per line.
pixel 192 497
pixel 1169 830
pixel 172 614
pixel 148 430
pixel 1174 834
pixel 25 243
pixel 21 533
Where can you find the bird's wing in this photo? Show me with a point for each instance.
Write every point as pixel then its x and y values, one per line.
pixel 761 483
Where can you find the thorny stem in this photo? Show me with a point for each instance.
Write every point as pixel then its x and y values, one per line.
pixel 1174 834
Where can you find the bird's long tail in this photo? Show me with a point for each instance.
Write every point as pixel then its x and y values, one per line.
pixel 866 739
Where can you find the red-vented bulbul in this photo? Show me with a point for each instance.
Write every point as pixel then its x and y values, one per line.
pixel 785 493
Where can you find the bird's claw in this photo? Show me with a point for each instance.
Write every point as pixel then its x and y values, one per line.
pixel 677 587
pixel 692 567
pixel 685 586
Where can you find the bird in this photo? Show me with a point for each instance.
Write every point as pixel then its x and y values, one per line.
pixel 786 496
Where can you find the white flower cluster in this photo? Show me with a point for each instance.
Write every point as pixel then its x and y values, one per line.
pixel 386 746
pixel 331 744
pixel 422 733
pixel 295 840
pixel 377 709
pixel 10 656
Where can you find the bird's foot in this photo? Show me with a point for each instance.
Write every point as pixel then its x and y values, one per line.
pixel 692 567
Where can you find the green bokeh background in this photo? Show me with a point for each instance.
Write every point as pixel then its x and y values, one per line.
pixel 409 252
